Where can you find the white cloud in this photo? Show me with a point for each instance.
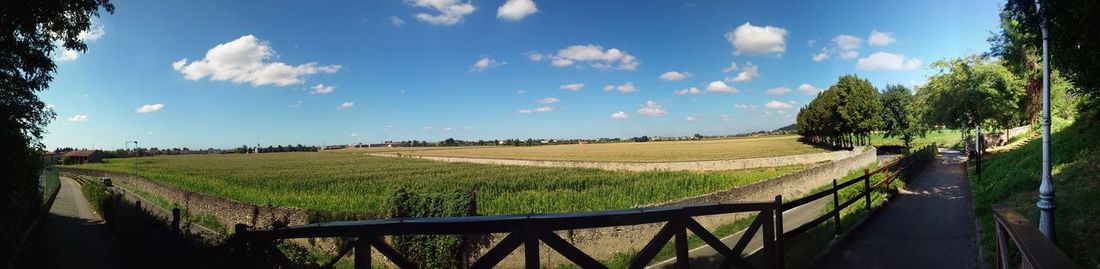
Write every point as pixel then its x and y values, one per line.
pixel 484 63
pixel 692 90
pixel 322 89
pixel 535 56
pixel 777 105
pixel 744 106
pixel 244 60
pixel 880 39
pixel 693 118
pixel 748 73
pixel 296 105
pixel 623 88
pixel 808 89
pixel 94 32
pixel 515 10
pixel 719 86
pixel 821 56
pixel 847 45
pixel 521 91
pixel 450 12
pixel 754 40
pixel 595 54
pixel 447 129
pixel 572 86
pixel 79 118
pixel 778 91
pixel 524 111
pixel 397 22
pixel 733 67
pixel 884 61
pixel 652 109
pixel 620 115
pixel 675 75
pixel 346 105
pixel 149 108
pixel 725 117
pixel 544 109
pixel 354 135
pixel 549 100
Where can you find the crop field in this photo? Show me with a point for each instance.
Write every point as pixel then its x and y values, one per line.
pixel 663 151
pixel 355 183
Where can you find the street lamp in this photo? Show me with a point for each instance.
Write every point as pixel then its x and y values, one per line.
pixel 1046 188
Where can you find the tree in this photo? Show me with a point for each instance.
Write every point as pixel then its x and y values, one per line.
pixel 1016 46
pixel 1073 33
pixel 30 33
pixel 860 109
pixel 972 91
pixel 898 117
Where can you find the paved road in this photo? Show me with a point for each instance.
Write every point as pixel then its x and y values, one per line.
pixel 929 226
pixel 70 236
pixel 706 257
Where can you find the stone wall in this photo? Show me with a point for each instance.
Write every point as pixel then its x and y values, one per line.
pixel 228 212
pixel 719 165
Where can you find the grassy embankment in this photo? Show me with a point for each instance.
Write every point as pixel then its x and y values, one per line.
pixel 360 184
pixel 943 138
pixel 661 151
pixel 1012 178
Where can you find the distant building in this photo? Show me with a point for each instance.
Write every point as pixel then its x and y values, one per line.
pixel 82 157
pixel 48 157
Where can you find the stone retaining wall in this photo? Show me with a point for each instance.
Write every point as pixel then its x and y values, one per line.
pixel 228 212
pixel 691 166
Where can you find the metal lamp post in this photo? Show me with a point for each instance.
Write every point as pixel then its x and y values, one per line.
pixel 1046 188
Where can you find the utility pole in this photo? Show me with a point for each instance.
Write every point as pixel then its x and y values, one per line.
pixel 1046 188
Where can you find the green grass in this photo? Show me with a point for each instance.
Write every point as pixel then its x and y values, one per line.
pixel 204 220
pixel 360 184
pixel 1012 179
pixel 945 138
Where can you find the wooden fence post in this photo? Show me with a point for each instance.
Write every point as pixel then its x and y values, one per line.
pixel 836 207
pixel 176 220
pixel 867 189
pixel 779 256
pixel 362 254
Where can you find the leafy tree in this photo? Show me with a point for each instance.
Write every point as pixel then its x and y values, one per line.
pixel 1018 50
pixel 972 91
pixel 898 117
pixel 1073 34
pixel 30 33
pixel 860 109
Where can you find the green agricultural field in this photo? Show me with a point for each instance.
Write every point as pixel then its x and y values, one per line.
pixel 355 183
pixel 943 138
pixel 664 151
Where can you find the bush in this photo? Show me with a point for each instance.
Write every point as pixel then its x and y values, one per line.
pixel 434 251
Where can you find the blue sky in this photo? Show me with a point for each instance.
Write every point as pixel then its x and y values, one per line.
pixel 224 73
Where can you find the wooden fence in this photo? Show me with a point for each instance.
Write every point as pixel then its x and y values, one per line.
pixel 1034 249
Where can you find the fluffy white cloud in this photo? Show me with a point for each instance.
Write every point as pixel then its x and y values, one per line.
pixel 620 115
pixel 346 105
pixel 884 61
pixel 754 40
pixel 398 22
pixel 549 100
pixel 149 108
pixel 623 88
pixel 778 91
pixel 808 89
pixel 821 56
pixel 594 54
pixel 777 105
pixel 94 32
pixel 449 12
pixel 78 118
pixel 572 86
pixel 652 109
pixel 515 10
pixel 719 86
pixel 675 75
pixel 880 39
pixel 245 60
pixel 322 89
pixel 748 73
pixel 733 67
pixel 484 63
pixel 847 45
pixel 692 90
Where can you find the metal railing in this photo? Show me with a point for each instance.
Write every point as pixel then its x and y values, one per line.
pixel 1034 249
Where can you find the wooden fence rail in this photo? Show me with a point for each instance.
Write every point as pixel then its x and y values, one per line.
pixel 1035 250
pixel 529 230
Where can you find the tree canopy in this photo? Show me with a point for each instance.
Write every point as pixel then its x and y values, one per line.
pixel 1073 33
pixel 843 115
pixel 898 117
pixel 972 91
